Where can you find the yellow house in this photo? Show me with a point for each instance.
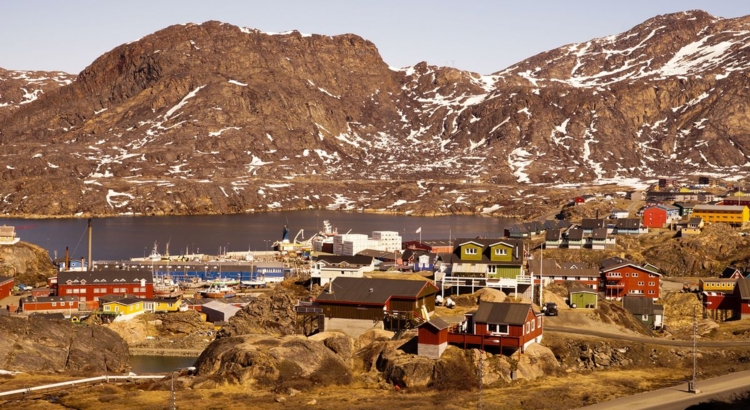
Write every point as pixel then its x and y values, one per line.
pixel 718 285
pixel 731 214
pixel 163 305
pixel 122 306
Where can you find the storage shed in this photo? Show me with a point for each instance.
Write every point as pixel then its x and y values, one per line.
pixel 432 339
pixel 582 298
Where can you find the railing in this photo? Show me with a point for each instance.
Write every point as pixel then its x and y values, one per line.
pixel 106 379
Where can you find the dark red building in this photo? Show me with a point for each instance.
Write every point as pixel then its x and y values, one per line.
pixel 6 286
pixel 623 277
pixel 432 338
pixel 88 286
pixel 49 304
pixel 500 325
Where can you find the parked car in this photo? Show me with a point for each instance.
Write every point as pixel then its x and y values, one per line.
pixel 550 309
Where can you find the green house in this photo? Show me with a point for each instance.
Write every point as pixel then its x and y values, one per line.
pixel 583 298
pixel 471 251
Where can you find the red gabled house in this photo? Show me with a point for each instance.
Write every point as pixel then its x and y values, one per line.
pixel 503 325
pixel 6 286
pixel 622 277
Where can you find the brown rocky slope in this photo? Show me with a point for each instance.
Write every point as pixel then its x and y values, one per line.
pixel 214 118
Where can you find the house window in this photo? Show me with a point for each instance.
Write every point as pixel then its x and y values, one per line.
pixel 497 328
pixel 533 325
pixel 652 283
pixel 68 291
pixel 635 274
pixel 641 283
pixel 539 322
pixel 651 292
pixel 471 251
pixel 627 274
pixel 501 252
pixel 54 304
pixel 644 317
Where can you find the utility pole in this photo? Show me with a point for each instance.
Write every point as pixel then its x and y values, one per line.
pixel 691 384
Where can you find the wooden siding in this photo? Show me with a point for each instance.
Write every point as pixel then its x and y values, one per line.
pixel 507 272
pixel 431 336
pixel 508 257
pixel 471 257
pixel 353 312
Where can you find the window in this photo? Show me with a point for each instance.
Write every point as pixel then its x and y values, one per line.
pixel 533 325
pixel 471 251
pixel 635 274
pixel 641 283
pixel 496 328
pixel 644 317
pixel 652 283
pixel 651 292
pixel 539 322
pixel 627 274
pixel 501 252
pixel 68 291
pixel 54 304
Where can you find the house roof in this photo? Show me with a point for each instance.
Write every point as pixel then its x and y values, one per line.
pixel 46 299
pixel 374 253
pixel 695 221
pixel 375 291
pixel 588 223
pixel 502 313
pixel 221 307
pixel 437 323
pixel 574 265
pixel 351 260
pixel 552 235
pixel 113 276
pixel 628 223
pixel 599 233
pixel 515 244
pixel 575 234
pixel 638 305
pixel 723 208
pixel 684 205
pixel 122 301
pixel 552 269
pixel 730 271
pixel 744 287
pixel 4 279
pixel 437 242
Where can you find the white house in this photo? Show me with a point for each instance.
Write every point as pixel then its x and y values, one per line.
pixel 329 267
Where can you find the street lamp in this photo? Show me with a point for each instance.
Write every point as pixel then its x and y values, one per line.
pixel 171 397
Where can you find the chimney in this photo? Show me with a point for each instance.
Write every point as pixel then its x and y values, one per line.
pixel 67 259
pixel 90 264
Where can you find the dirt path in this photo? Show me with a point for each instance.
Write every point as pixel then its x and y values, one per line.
pixel 642 339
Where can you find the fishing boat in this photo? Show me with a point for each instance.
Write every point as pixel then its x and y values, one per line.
pixel 219 291
pixel 254 282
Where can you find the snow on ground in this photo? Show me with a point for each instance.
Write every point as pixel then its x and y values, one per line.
pixel 115 203
pixel 519 159
pixel 182 102
pixel 235 82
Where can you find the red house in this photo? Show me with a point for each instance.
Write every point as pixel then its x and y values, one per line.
pixel 88 286
pixel 501 325
pixel 6 286
pixel 654 217
pixel 49 304
pixel 580 200
pixel 432 338
pixel 737 303
pixel 623 277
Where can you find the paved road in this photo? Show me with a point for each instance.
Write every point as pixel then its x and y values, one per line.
pixel 644 339
pixel 678 397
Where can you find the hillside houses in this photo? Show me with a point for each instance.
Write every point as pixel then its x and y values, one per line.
pixel 478 263
pixel 622 277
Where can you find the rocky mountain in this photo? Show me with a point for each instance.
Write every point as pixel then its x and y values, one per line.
pixel 214 118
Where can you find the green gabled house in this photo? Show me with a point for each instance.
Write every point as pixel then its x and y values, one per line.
pixel 478 263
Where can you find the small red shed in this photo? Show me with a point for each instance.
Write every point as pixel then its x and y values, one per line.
pixel 432 339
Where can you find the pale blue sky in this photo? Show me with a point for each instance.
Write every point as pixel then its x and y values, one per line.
pixel 482 36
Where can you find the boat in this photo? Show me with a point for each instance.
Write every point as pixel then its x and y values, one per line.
pixel 219 291
pixel 165 287
pixel 254 282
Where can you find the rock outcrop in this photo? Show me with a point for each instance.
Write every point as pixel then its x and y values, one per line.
pixel 27 263
pixel 48 346
pixel 292 121
pixel 270 313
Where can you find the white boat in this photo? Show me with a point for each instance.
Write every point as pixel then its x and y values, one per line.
pixel 219 291
pixel 256 282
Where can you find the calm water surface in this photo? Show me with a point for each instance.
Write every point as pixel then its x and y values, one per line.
pixel 125 237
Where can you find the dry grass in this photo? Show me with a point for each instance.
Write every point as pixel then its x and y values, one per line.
pixel 547 393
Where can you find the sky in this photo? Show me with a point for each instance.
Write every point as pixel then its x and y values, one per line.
pixel 483 36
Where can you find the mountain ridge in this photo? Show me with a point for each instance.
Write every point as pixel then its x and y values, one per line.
pixel 214 118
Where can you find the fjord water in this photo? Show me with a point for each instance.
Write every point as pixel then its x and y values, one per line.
pixel 117 238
